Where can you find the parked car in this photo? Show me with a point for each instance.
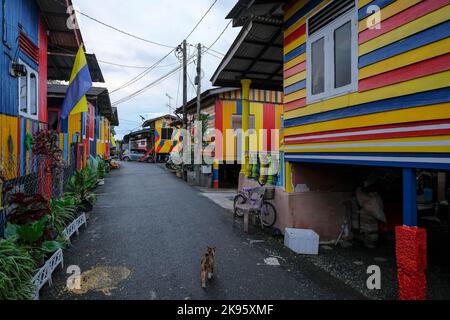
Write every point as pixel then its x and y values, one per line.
pixel 135 155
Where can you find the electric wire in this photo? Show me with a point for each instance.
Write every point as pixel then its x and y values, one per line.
pixel 115 28
pixel 201 19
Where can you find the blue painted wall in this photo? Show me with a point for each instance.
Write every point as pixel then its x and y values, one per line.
pixel 16 13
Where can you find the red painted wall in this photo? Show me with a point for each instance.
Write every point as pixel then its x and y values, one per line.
pixel 43 44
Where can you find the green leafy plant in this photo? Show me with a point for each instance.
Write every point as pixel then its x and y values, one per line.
pixel 16 271
pixel 34 238
pixel 63 212
pixel 102 169
pixel 81 185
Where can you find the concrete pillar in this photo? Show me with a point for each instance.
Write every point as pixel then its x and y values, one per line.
pixel 411 245
pixel 245 125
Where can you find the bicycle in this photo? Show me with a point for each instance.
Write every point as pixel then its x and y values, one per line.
pixel 267 214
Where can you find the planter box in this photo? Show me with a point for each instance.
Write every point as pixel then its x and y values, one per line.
pixel 75 226
pixel 302 241
pixel 44 275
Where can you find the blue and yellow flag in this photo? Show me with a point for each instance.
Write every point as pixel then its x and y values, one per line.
pixel 79 85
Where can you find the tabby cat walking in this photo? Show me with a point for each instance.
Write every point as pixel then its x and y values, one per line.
pixel 207 266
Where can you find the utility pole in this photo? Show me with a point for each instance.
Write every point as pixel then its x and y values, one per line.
pixel 199 80
pixel 199 127
pixel 184 49
pixel 184 84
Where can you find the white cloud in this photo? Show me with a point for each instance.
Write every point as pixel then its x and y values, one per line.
pixel 165 22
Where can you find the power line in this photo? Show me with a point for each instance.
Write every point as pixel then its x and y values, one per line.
pixel 179 85
pixel 115 28
pixel 142 74
pixel 213 55
pixel 220 36
pixel 149 86
pixel 201 19
pixel 134 67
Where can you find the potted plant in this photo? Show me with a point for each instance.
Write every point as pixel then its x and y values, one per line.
pixel 81 185
pixel 102 170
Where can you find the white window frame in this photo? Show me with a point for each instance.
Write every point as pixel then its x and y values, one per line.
pixel 30 71
pixel 327 33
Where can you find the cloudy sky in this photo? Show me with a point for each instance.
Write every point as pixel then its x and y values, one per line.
pixel 166 22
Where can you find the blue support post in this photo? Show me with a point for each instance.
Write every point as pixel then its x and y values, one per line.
pixel 409 197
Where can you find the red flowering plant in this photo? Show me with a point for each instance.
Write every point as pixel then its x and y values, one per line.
pixel 27 209
pixel 45 144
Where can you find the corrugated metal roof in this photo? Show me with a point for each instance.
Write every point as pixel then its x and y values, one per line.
pixel 245 10
pixel 99 95
pixel 148 123
pixel 60 66
pixel 63 43
pixel 55 16
pixel 256 54
pixel 205 96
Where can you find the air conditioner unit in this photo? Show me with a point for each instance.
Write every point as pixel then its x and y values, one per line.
pixel 18 70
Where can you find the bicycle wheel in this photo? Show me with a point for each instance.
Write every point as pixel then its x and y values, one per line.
pixel 239 199
pixel 268 214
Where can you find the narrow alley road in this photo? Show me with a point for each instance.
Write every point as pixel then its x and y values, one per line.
pixel 156 226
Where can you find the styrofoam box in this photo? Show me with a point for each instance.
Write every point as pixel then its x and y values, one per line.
pixel 302 241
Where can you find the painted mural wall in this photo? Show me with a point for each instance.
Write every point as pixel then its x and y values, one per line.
pixel 400 113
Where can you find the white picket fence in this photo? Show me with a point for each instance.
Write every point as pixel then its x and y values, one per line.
pixel 44 275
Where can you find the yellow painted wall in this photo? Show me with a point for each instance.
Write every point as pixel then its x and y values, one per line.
pixel 9 132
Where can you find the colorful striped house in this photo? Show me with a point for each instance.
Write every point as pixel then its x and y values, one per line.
pixel 223 107
pixel 393 109
pixel 23 109
pixel 38 47
pixel 366 87
pixel 86 134
pixel 164 138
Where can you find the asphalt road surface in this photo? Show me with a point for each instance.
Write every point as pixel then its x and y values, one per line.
pixel 155 226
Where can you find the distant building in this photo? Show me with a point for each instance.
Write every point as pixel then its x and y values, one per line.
pixel 223 109
pixel 164 138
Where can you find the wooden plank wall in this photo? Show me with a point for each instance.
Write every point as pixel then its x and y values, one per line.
pixel 400 114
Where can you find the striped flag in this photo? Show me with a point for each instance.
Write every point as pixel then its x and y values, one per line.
pixel 79 85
